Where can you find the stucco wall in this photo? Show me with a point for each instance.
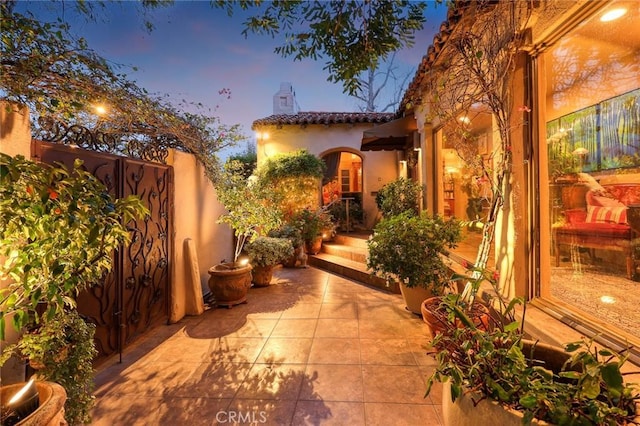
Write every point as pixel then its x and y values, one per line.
pixel 378 167
pixel 195 213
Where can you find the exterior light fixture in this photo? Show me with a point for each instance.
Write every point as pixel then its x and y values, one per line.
pixel 613 14
pixel 262 135
pixel 464 119
pixel 100 109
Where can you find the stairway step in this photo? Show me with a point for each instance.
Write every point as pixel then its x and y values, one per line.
pixel 351 269
pixel 356 254
pixel 352 240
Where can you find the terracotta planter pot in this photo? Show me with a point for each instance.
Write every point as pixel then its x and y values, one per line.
pixel 50 411
pixel 438 323
pixel 229 284
pixel 262 275
pixel 314 246
pixel 414 296
pixel 464 412
pixel 291 262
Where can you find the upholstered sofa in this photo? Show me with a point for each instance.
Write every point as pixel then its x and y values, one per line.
pixel 601 223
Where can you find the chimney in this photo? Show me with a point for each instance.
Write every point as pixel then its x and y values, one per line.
pixel 284 102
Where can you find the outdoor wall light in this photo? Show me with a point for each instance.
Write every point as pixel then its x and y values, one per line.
pixel 25 401
pixel 613 14
pixel 100 109
pixel 262 136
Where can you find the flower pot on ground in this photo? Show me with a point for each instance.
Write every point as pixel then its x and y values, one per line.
pixel 293 233
pixel 311 223
pixel 229 283
pixel 436 316
pixel 50 407
pixel 264 254
pixel 410 249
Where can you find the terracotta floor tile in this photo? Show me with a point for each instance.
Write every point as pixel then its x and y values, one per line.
pixel 387 352
pixel 258 412
pixel 328 327
pixel 344 309
pixel 401 414
pixel 336 413
pixel 313 348
pixel 398 384
pixel 280 382
pixel 329 382
pixel 302 310
pixel 335 351
pixel 278 350
pixel 295 328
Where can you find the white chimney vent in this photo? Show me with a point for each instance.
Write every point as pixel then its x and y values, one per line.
pixel 284 102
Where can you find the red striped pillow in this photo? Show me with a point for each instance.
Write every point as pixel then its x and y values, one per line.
pixel 606 214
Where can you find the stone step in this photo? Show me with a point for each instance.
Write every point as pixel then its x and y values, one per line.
pixel 352 240
pixel 354 270
pixel 357 254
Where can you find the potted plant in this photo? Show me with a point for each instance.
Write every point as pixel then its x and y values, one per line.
pixel 264 254
pixel 494 376
pixel 410 250
pixel 61 350
pixel 292 233
pixel 58 228
pixel 312 223
pixel 250 212
pixel 399 196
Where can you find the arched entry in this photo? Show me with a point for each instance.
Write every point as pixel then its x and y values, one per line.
pixel 342 188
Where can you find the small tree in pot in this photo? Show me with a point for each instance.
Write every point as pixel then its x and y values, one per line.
pixel 250 213
pixel 409 249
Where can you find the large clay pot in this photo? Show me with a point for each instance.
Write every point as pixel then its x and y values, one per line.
pixel 439 323
pixel 414 296
pixel 464 412
pixel 314 246
pixel 262 275
pixel 230 283
pixel 291 261
pixel 50 411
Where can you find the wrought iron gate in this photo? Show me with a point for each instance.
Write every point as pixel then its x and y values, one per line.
pixel 135 295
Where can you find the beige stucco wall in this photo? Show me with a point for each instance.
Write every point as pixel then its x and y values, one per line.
pixel 378 167
pixel 195 213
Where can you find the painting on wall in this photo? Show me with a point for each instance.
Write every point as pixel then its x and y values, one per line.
pixel 604 136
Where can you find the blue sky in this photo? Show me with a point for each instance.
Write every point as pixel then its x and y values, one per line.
pixel 195 51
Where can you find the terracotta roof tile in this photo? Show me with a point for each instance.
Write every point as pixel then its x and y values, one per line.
pixel 312 117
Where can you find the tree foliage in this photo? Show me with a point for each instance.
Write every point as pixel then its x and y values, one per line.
pixel 352 36
pixel 59 77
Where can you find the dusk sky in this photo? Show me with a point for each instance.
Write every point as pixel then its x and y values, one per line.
pixel 196 50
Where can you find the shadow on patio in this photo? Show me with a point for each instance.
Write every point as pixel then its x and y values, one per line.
pixel 313 348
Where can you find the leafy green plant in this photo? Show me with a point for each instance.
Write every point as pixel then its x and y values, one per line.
pixel 496 364
pixel 266 251
pixel 63 349
pixel 294 178
pixel 399 196
pixel 249 203
pixel 58 228
pixel 291 231
pixel 410 249
pixel 312 222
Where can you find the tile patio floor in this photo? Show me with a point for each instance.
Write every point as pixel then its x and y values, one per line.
pixel 312 349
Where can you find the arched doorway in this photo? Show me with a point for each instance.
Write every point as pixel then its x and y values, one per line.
pixel 342 189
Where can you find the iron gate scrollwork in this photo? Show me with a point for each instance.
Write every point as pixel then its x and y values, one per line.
pixel 134 296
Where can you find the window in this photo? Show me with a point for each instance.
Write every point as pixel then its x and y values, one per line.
pixel 592 116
